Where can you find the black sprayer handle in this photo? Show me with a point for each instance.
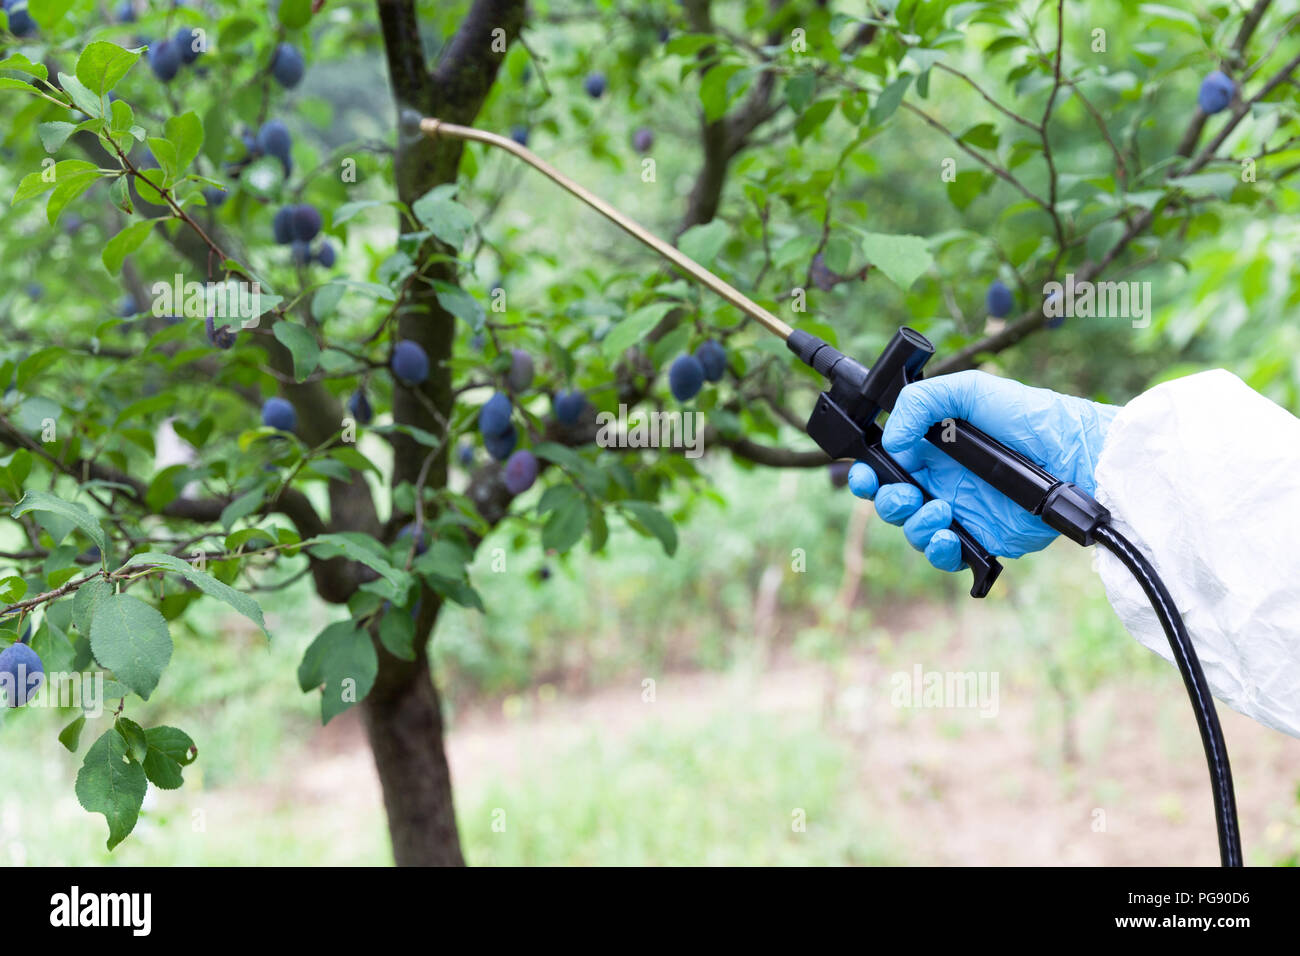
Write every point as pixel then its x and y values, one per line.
pixel 1007 470
pixel 983 565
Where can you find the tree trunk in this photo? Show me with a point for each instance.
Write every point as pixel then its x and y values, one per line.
pixel 404 723
pixel 402 714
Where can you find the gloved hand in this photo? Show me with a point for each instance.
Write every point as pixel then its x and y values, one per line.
pixel 1061 433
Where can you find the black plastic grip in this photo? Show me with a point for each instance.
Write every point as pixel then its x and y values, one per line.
pixel 1008 471
pixel 983 565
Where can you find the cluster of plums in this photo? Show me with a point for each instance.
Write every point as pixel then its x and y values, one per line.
pixel 409 364
pixel 688 373
pixel 296 226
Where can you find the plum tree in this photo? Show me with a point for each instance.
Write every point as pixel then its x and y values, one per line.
pixel 520 471
pixel 519 134
pixel 410 362
pixel 287 65
pixel 998 300
pixel 21 674
pixel 279 414
pixel 125 12
pixel 1216 92
pixel 685 377
pixel 712 357
pixel 776 156
pixel 300 252
pixel 839 472
pixel 214 196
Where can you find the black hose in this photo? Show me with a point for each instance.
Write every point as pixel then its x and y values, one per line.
pixel 1216 752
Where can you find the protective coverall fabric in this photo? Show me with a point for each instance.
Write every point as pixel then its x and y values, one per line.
pixel 1202 474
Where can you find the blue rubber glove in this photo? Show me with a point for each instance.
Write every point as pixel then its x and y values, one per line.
pixel 1059 432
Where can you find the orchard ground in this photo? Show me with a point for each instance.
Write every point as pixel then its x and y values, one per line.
pixel 763 705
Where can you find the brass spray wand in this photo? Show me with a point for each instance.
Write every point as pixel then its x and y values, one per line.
pixel 433 128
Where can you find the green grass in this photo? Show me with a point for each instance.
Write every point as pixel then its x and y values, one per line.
pixel 723 794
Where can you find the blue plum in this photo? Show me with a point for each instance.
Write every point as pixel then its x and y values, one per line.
pixel 686 377
pixel 279 414
pixel 494 416
pixel 410 363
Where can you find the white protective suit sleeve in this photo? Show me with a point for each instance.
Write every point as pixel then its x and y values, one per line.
pixel 1202 474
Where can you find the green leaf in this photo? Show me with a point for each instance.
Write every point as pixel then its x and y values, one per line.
pixel 967 186
pixel 102 64
pixel 301 345
pixel 12 588
pixel 444 559
pixel 66 190
pixel 164 150
pixel 715 89
pixel 20 64
pixel 460 304
pixel 568 517
pixel 54 135
pixel 703 243
pixel 70 736
pixel 645 517
pixel 633 328
pixel 343 659
pixel 169 750
pixel 131 639
pixel 445 218
pixel 185 132
pixel 397 633
pixel 78 515
pixel 84 98
pixel 205 582
pixel 89 597
pixel 295 14
pixel 243 506
pixel 124 243
pixel 890 98
pixel 799 90
pixel 111 784
pixel 981 135
pixel 363 548
pixel 33 184
pixel 350 209
pixel 133 734
pixel 902 258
